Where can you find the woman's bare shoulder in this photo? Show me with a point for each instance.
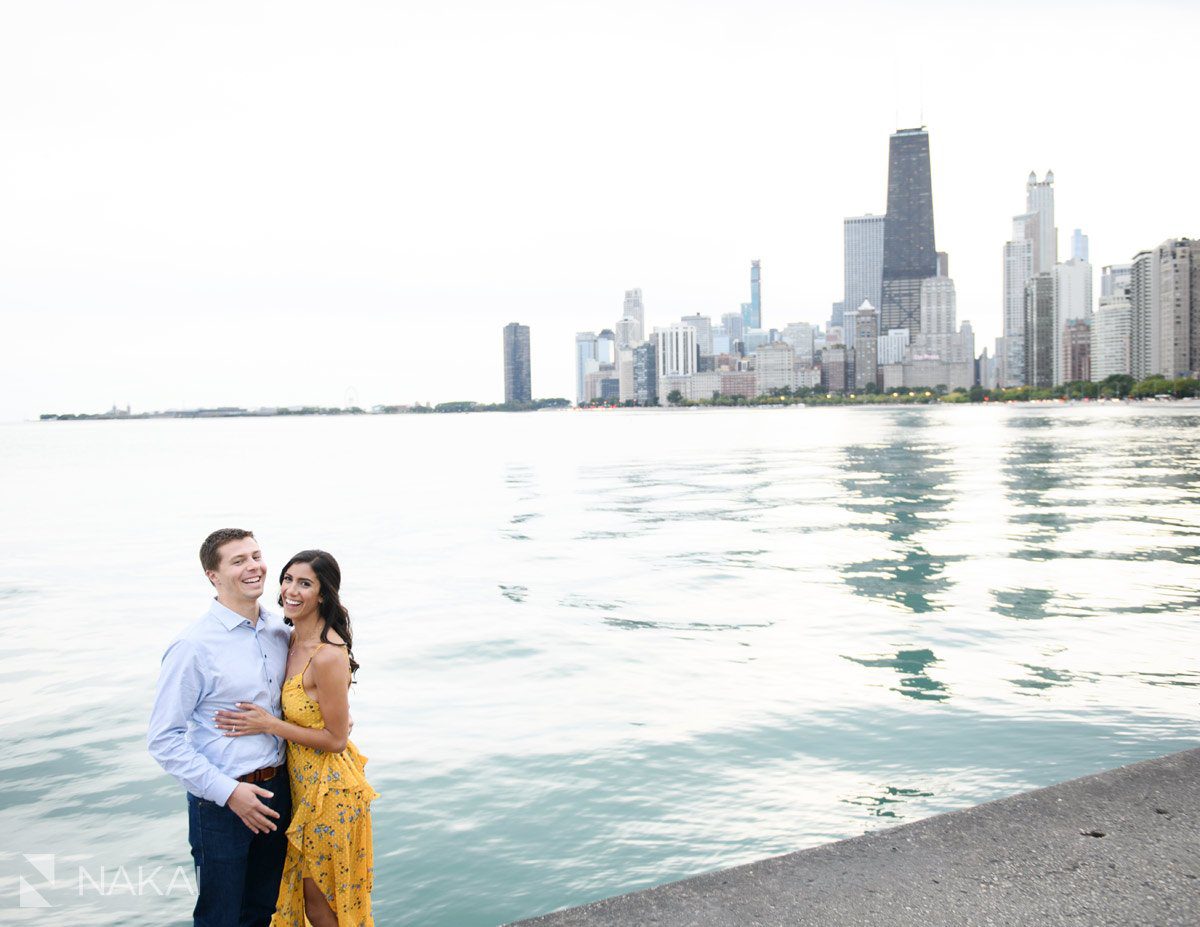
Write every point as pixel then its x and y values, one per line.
pixel 336 654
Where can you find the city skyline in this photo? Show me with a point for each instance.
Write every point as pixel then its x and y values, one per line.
pixel 181 229
pixel 1150 322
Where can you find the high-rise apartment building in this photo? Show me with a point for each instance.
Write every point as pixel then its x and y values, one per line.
pixel 776 367
pixel 1178 268
pixel 645 374
pixel 1039 330
pixel 1111 327
pixel 939 306
pixel 1145 345
pixel 1077 350
pixel 1018 268
pixel 675 349
pixel 866 346
pixel 863 261
pixel 625 382
pixel 909 255
pixel 517 380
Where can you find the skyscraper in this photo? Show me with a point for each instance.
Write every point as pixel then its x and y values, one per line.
pixel 752 311
pixel 606 346
pixel 909 255
pixel 1145 348
pixel 849 326
pixel 1115 279
pixel 1032 250
pixel 645 374
pixel 1039 330
pixel 586 361
pixel 675 350
pixel 863 261
pixel 675 357
pixel 1039 212
pixel 1072 308
pixel 517 381
pixel 1018 268
pixel 866 345
pixel 703 326
pixel 755 295
pixel 1079 246
pixel 634 309
pixel 939 307
pixel 1178 269
pixel 734 325
pixel 1110 337
pixel 628 332
pixel 1077 351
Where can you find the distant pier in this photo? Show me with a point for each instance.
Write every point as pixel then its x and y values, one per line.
pixel 1118 848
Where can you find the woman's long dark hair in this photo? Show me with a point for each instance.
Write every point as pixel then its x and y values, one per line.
pixel 331 609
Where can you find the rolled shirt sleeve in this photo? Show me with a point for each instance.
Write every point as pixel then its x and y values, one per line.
pixel 179 693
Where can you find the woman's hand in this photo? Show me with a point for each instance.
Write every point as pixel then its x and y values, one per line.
pixel 252 719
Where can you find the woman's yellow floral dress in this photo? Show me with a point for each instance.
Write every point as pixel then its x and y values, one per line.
pixel 329 839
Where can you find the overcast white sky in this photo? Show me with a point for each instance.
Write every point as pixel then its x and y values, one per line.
pixel 252 203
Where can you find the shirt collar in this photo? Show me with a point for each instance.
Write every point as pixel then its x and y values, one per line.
pixel 230 619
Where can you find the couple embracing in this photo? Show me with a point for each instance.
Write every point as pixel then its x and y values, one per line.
pixel 252 716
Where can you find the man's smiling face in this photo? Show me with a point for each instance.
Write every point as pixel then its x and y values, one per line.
pixel 240 572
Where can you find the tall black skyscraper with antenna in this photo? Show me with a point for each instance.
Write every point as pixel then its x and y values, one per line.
pixel 909 255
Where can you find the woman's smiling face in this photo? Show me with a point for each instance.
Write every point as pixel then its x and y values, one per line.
pixel 300 591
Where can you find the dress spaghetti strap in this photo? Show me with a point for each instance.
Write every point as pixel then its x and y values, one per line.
pixel 310 657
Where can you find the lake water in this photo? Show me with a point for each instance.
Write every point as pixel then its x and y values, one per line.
pixel 605 650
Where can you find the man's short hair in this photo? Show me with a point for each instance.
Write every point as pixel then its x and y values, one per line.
pixel 210 550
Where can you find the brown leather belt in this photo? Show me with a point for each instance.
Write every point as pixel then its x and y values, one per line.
pixel 261 775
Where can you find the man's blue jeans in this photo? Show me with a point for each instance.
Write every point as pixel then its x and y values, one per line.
pixel 238 871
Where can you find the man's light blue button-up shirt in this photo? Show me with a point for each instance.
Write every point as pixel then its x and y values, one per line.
pixel 219 661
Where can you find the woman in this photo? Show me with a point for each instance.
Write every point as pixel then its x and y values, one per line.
pixel 328 872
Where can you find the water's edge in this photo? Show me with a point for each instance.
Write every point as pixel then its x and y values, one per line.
pixel 1117 847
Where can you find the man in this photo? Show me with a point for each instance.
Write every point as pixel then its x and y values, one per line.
pixel 239 802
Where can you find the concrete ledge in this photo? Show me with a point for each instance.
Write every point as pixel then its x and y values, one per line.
pixel 1036 859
